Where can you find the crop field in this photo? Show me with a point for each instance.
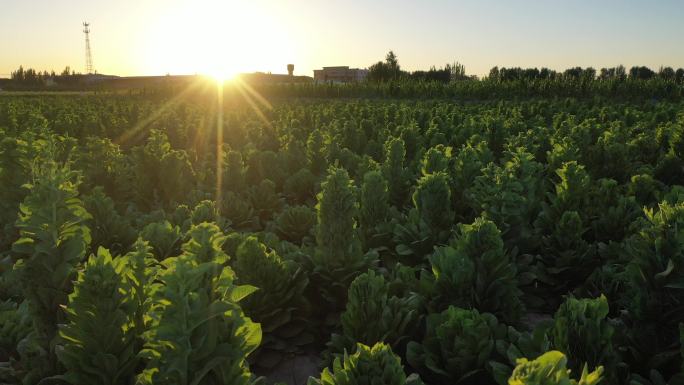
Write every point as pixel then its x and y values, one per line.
pixel 147 238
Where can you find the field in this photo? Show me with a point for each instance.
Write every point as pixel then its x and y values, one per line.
pixel 417 235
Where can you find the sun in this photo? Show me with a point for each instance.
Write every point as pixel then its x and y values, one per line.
pixel 219 39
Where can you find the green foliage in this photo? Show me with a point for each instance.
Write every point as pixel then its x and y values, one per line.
pixel 567 260
pixel 654 280
pixel 394 171
pixel 583 332
pixel 474 271
pixel 264 199
pixel 373 200
pixel 432 199
pixel 338 257
pixel 233 172
pixel 368 366
pixel 436 159
pixel 510 195
pixel 163 237
pixel 300 186
pixel 373 315
pixel 465 167
pixel 103 164
pixel 238 210
pixel 207 211
pixel 161 174
pixel 15 321
pixel 295 223
pixel 199 334
pixel 108 228
pixel 550 369
pixel 54 239
pixel 457 345
pixel 100 341
pixel 14 173
pixel 279 305
pixel 316 152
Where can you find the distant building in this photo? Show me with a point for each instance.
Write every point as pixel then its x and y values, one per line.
pixel 340 74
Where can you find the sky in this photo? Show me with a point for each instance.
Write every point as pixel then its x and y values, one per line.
pixel 158 37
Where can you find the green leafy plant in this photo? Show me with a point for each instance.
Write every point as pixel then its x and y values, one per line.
pixel 394 171
pixel 436 159
pixel 583 332
pixel 54 240
pixel 108 228
pixel 15 325
pixel 373 201
pixel 295 223
pixel 474 271
pixel 163 237
pixel 264 199
pixel 510 196
pixel 338 257
pixel 199 334
pixel 432 199
pixel 654 281
pixel 550 369
pixel 279 305
pixel 238 210
pixel 373 315
pixel 457 345
pixel 100 341
pixel 376 365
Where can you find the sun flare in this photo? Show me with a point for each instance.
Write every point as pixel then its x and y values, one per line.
pixel 219 39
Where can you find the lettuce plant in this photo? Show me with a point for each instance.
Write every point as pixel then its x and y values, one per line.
pixel 432 199
pixel 199 333
pixel 316 152
pixel 206 211
pixel 295 223
pixel 14 173
pixel 238 210
pixel 264 199
pixel 300 186
pixel 368 366
pixel 100 344
pixel 54 240
pixel 164 238
pixel 373 315
pixel 233 172
pixel 475 271
pixel 279 305
pixel 338 257
pixel 108 228
pixel 583 332
pixel 394 171
pixel 510 195
pixel 654 280
pixel 457 345
pixel 550 369
pixel 436 159
pixel 15 325
pixel 373 201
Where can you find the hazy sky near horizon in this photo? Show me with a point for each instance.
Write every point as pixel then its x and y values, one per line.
pixel 149 37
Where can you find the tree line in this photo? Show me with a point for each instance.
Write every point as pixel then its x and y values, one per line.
pixel 589 73
pixel 35 78
pixel 390 70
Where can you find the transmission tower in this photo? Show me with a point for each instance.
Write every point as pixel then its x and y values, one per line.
pixel 89 56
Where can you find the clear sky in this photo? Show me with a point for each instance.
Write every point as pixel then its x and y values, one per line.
pixel 147 37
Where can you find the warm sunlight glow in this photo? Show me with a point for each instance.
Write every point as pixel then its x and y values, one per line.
pixel 219 39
